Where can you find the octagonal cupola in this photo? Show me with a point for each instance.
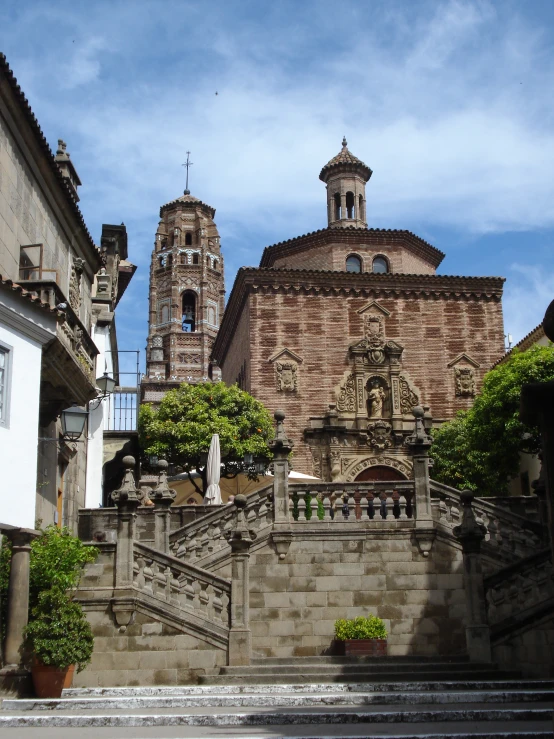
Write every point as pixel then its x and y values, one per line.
pixel 345 176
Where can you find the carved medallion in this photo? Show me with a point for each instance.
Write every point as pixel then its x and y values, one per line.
pixel 379 435
pixel 465 382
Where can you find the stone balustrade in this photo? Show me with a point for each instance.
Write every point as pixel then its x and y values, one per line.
pixel 508 535
pixel 516 591
pixel 372 503
pixel 207 536
pixel 183 586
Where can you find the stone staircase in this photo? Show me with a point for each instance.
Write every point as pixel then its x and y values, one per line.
pixel 308 697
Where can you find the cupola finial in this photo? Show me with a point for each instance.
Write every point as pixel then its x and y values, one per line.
pixel 344 142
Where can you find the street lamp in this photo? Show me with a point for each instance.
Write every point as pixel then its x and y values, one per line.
pixel 106 384
pixel 73 422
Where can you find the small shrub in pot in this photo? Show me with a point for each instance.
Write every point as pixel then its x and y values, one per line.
pixel 361 636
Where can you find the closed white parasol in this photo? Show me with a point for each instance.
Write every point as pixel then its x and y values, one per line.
pixel 212 495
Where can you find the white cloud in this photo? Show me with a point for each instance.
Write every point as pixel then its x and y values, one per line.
pixel 527 296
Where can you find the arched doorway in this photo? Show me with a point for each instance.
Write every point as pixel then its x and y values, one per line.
pixel 379 472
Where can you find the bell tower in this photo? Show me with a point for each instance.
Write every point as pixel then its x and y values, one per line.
pixel 345 176
pixel 187 297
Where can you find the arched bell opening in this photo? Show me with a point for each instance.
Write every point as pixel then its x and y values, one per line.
pixel 189 311
pixel 350 205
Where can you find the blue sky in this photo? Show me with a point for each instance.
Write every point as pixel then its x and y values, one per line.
pixel 449 102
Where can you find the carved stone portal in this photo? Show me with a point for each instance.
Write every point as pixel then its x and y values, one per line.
pixel 465 382
pixel 287 380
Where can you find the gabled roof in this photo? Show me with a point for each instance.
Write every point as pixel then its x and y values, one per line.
pixel 529 340
pixel 36 130
pixel 351 235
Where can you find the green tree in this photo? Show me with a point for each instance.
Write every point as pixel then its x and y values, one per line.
pixel 479 449
pixel 181 428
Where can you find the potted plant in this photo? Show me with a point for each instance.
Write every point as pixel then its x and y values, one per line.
pixel 361 636
pixel 58 632
pixel 61 639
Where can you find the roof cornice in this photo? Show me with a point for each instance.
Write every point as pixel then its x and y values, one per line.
pixel 52 169
pixel 352 236
pixel 363 284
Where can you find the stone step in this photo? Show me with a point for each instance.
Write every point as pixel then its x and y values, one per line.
pixel 309 688
pixel 316 676
pixel 470 715
pixel 335 659
pixel 350 668
pixel 267 699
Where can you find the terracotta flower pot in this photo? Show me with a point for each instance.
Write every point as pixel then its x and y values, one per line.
pixel 49 681
pixel 363 647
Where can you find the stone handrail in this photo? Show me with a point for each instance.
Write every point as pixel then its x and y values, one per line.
pixel 206 536
pixel 509 535
pixel 191 589
pixel 519 593
pixel 371 503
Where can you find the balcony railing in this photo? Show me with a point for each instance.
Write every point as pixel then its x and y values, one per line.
pixel 121 413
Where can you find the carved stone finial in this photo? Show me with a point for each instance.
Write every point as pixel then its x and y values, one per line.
pixel 469 531
pixel 163 493
pixel 344 142
pixel 419 440
pixel 280 443
pixel 240 537
pixel 128 490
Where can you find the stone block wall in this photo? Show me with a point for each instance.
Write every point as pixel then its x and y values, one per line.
pixel 147 652
pixel 294 602
pixel 530 651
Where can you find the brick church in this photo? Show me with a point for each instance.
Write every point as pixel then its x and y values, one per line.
pixel 345 329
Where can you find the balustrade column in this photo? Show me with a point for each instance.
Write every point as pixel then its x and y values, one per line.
pixel 471 534
pixel 127 502
pixel 419 444
pixel 281 448
pixel 162 498
pixel 18 595
pixel 240 635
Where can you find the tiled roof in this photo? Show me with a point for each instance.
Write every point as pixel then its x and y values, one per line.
pixel 527 342
pixel 29 295
pixel 186 197
pixel 275 251
pixel 37 131
pixel 345 159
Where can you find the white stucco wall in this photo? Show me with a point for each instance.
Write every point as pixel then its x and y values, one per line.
pixel 95 439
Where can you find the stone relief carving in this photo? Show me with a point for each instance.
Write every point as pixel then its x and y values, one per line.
pixel 379 435
pixel 408 399
pixel 75 283
pixel 376 397
pixel 287 380
pixel 465 381
pixel 316 463
pixel 346 401
pixel 335 465
pixel 375 338
pixel 403 466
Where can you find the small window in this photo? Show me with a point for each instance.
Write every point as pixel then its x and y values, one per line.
pixel 215 263
pixel 188 321
pixel 353 264
pixel 184 259
pixel 195 258
pixel 188 239
pixel 336 198
pixel 380 266
pixel 350 210
pixel 5 357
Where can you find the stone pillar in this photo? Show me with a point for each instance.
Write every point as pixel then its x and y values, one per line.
pixel 471 534
pixel 162 498
pixel 281 448
pixel 240 636
pixel 127 502
pixel 419 444
pixel 18 595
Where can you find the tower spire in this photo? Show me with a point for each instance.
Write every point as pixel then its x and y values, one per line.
pixel 187 164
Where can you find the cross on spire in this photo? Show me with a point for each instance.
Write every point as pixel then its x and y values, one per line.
pixel 187 164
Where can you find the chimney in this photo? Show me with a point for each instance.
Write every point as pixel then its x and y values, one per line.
pixel 67 169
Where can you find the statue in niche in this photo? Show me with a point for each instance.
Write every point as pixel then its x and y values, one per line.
pixel 375 399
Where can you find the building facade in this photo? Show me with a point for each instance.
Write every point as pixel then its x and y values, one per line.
pixel 187 297
pixel 349 327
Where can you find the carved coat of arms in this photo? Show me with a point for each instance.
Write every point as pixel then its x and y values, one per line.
pixel 465 381
pixel 286 376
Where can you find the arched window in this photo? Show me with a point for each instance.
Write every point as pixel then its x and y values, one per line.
pixel 215 263
pixel 188 239
pixel 189 311
pixel 353 263
pixel 195 258
pixel 170 260
pixel 361 209
pixel 337 205
pixel 184 259
pixel 208 261
pixel 350 209
pixel 380 266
